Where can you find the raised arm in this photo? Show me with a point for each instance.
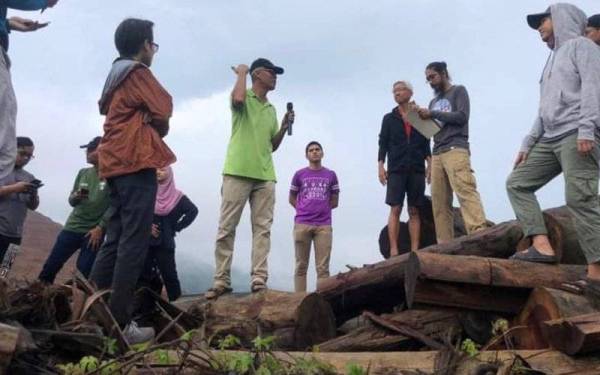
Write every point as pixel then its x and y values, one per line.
pixel 30 4
pixel 238 94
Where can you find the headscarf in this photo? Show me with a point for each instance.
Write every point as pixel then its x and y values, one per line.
pixel 167 196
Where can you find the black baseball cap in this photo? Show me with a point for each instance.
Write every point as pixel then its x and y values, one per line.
pixel 264 63
pixel 594 21
pixel 535 20
pixel 93 144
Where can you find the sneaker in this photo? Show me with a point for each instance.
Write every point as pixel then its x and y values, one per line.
pixel 217 291
pixel 258 285
pixel 137 335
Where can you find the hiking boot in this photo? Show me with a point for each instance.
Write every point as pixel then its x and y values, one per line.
pixel 137 335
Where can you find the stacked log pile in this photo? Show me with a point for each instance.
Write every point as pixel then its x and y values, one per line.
pixel 445 301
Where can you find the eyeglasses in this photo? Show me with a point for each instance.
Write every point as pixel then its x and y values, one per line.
pixel 154 46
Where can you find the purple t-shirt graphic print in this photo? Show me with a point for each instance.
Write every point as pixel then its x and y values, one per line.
pixel 313 189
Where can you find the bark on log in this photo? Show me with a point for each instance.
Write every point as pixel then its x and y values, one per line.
pixel 469 296
pixel 574 335
pixel 486 272
pixel 371 337
pixel 545 304
pixel 9 336
pixel 376 287
pixel 297 320
pixel 379 286
pixel 563 238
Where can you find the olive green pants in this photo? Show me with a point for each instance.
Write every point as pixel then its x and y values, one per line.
pixel 546 161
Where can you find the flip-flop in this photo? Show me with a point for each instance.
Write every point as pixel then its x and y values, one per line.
pixel 533 255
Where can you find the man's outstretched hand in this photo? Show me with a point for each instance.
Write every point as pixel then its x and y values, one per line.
pixel 25 25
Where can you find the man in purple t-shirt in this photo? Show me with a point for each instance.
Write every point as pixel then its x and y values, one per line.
pixel 314 193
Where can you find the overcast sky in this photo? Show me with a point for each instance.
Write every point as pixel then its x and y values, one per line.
pixel 340 57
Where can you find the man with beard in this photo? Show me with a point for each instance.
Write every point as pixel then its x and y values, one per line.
pixel 564 138
pixel 451 161
pixel 249 174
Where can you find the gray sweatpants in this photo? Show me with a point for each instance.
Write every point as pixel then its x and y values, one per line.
pixel 546 161
pixel 8 117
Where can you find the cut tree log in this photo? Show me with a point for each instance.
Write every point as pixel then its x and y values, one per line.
pixel 376 287
pixel 9 336
pixel 486 272
pixel 436 324
pixel 563 238
pixel 574 335
pixel 545 304
pixel 428 236
pixel 379 286
pixel 297 320
pixel 469 296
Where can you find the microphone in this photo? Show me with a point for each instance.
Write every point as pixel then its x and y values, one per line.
pixel 290 108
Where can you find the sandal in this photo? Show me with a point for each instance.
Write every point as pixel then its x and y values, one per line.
pixel 533 255
pixel 217 291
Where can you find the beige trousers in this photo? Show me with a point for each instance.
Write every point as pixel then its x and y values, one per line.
pixel 451 172
pixel 236 191
pixel 304 236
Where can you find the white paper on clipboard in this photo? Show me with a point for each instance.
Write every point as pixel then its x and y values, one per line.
pixel 428 128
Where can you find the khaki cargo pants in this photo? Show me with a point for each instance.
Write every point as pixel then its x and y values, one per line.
pixel 304 236
pixel 236 192
pixel 451 172
pixel 546 161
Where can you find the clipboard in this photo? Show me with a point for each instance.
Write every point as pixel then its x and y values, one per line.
pixel 428 128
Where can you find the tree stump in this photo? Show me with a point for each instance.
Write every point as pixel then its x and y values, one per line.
pixel 546 304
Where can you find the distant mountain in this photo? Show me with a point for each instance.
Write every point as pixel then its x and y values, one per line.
pixel 39 235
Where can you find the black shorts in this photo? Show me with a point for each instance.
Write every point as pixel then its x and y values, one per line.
pixel 410 184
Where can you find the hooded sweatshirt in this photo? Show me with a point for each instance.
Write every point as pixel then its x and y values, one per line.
pixel 132 98
pixel 570 82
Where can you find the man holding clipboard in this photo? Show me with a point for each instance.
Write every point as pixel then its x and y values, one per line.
pixel 406 150
pixel 451 171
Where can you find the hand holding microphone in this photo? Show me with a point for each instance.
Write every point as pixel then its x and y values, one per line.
pixel 290 115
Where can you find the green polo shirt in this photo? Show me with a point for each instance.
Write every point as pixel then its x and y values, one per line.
pixel 93 210
pixel 249 153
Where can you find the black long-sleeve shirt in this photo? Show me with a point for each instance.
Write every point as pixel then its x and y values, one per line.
pixel 179 218
pixel 404 154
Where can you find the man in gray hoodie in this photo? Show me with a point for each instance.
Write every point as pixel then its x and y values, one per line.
pixel 563 138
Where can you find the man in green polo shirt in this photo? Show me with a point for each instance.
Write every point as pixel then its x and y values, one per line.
pixel 86 224
pixel 249 175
